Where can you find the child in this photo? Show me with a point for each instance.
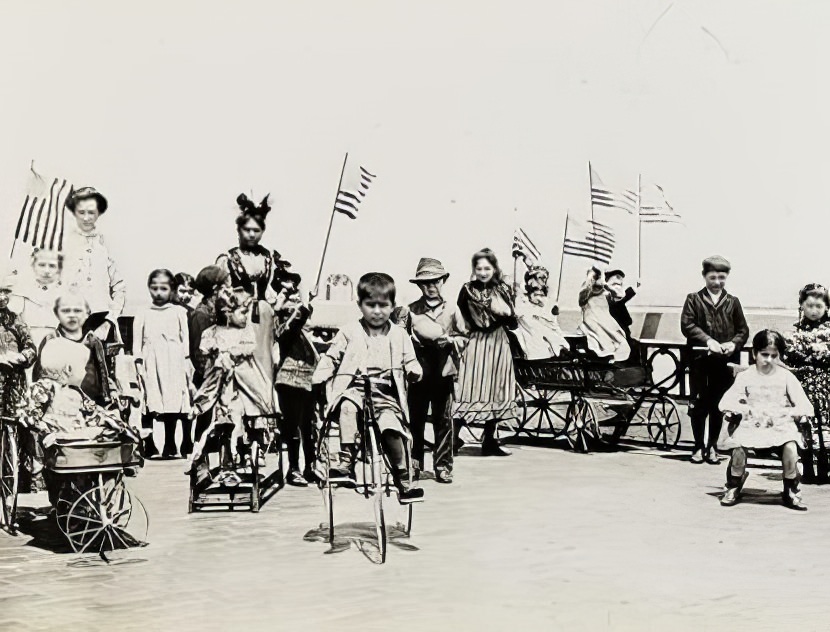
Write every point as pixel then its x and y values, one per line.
pixel 807 355
pixel 605 337
pixel 540 336
pixel 208 283
pixel 235 387
pixel 618 299
pixel 486 382
pixel 161 349
pixel 184 290
pixel 762 406
pixel 85 352
pixel 17 352
pixel 714 319
pixel 437 332
pixel 37 296
pixel 371 347
pixel 298 359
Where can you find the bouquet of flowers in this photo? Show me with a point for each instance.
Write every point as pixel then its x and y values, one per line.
pixel 808 348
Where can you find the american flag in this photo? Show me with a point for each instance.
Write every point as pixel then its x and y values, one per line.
pixel 602 195
pixel 43 214
pixel 523 247
pixel 353 188
pixel 655 208
pixel 589 240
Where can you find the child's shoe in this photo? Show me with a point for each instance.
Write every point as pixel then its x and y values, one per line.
pixel 311 476
pixel 296 479
pixel 406 493
pixel 792 495
pixel 443 475
pixel 734 486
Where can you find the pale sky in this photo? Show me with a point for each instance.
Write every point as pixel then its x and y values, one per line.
pixel 464 110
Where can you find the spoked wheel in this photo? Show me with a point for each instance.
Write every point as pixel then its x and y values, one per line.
pixel 255 456
pixel 581 422
pixel 540 417
pixel 325 485
pixel 97 520
pixel 377 479
pixel 664 423
pixel 9 469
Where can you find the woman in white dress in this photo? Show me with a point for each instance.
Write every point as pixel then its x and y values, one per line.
pixel 88 266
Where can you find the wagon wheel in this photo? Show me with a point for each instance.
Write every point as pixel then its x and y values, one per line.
pixel 377 478
pixel 581 422
pixel 97 521
pixel 664 423
pixel 540 416
pixel 9 464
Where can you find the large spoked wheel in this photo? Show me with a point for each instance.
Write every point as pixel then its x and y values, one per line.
pixel 96 519
pixel 580 424
pixel 9 469
pixel 324 483
pixel 664 423
pixel 539 415
pixel 377 479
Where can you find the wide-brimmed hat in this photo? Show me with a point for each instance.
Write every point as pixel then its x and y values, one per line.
pixel 429 270
pixel 87 193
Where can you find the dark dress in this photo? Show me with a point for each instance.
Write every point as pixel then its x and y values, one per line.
pixel 486 383
pixel 14 338
pixel 813 371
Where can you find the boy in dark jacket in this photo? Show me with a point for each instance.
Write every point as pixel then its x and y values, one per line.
pixel 714 319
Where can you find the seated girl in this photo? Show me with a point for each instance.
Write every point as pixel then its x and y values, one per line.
pixel 539 333
pixel 606 338
pixel 234 387
pixel 82 351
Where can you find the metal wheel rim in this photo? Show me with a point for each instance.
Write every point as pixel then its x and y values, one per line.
pixel 97 520
pixel 664 423
pixel 9 468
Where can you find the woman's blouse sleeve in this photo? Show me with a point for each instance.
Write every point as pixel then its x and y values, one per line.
pixel 118 288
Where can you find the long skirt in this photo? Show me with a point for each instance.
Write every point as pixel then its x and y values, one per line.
pixel 486 388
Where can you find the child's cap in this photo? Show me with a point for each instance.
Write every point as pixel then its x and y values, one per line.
pixel 716 263
pixel 614 272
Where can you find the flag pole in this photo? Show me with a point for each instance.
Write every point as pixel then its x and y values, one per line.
pixel 562 258
pixel 591 203
pixel 313 294
pixel 639 231
pixel 515 265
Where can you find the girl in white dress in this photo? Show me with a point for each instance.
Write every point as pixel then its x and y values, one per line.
pixel 762 408
pixel 161 347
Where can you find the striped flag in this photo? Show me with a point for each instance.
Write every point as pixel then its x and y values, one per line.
pixel 43 213
pixel 590 240
pixel 601 195
pixel 655 208
pixel 353 187
pixel 523 247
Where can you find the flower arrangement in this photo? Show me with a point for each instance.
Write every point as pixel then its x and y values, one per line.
pixel 808 348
